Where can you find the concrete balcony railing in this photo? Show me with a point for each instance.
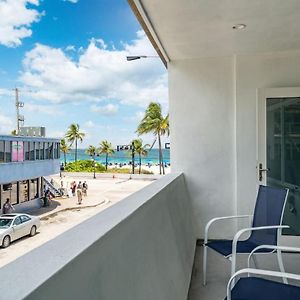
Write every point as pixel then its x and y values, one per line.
pixel 15 171
pixel 140 248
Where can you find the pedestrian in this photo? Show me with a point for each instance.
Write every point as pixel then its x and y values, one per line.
pixel 84 188
pixel 79 192
pixel 73 188
pixel 7 207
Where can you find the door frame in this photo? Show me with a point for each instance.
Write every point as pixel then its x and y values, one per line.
pixel 261 134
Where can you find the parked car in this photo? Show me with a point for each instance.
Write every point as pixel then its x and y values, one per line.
pixel 15 226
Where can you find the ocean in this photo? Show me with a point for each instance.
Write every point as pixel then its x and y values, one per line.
pixel 120 157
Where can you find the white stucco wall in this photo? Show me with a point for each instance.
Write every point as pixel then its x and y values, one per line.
pixel 202 139
pixel 213 125
pixel 141 248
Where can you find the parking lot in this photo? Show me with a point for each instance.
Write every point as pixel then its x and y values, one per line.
pixel 64 214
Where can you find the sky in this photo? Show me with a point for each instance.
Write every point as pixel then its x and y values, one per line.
pixel 68 59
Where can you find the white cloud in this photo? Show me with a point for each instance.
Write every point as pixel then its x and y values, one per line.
pixel 15 21
pixel 89 124
pixel 70 48
pixel 43 109
pixel 55 134
pixel 138 116
pixel 6 124
pixel 98 74
pixel 72 1
pixel 107 110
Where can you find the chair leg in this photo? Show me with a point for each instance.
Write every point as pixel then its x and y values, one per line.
pixel 204 263
pixel 281 266
pixel 233 266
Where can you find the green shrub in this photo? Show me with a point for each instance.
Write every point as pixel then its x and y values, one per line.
pixel 84 166
pixel 87 166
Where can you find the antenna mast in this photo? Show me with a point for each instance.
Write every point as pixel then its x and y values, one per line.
pixel 19 118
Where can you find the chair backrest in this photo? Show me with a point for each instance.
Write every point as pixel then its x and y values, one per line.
pixel 269 208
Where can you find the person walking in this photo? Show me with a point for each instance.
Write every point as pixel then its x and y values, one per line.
pixel 84 188
pixel 73 186
pixel 7 207
pixel 79 192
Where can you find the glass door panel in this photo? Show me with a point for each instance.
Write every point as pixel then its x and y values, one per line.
pixel 283 154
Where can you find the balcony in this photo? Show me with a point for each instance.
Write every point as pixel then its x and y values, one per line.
pixel 140 248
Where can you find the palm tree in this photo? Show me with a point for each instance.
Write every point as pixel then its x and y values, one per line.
pixel 107 149
pixel 92 151
pixel 64 148
pixel 74 135
pixel 140 150
pixel 153 121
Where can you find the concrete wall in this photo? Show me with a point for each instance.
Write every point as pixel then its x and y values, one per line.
pixel 213 125
pixel 140 248
pixel 28 169
pixel 202 127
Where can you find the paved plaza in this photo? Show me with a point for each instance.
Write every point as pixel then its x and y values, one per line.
pixel 65 213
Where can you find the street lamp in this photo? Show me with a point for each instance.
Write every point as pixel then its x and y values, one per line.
pixel 93 155
pixel 135 57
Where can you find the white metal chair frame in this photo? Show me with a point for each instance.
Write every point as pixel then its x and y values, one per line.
pixel 236 238
pixel 278 249
pixel 249 271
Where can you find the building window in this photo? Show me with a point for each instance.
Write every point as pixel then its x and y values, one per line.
pixel 23 188
pixel 56 149
pixel 26 150
pixel 37 150
pixel 51 150
pixel 31 150
pixel 10 191
pixel 46 150
pixel 33 189
pixel 42 150
pixel 2 151
pixel 17 151
pixel 7 147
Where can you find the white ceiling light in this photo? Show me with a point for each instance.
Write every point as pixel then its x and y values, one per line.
pixel 239 26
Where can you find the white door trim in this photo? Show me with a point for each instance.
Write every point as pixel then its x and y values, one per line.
pixel 261 130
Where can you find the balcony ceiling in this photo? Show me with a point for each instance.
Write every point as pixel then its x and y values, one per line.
pixel 203 28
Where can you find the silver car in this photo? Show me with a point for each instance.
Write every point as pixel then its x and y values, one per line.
pixel 15 226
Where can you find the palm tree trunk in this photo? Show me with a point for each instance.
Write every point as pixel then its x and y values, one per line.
pixel 161 163
pixel 65 158
pixel 106 161
pixel 159 152
pixel 75 150
pixel 140 164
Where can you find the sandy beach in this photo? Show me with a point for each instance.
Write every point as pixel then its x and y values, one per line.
pixel 152 168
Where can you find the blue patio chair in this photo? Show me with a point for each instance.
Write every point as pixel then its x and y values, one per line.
pixel 258 288
pixel 265 229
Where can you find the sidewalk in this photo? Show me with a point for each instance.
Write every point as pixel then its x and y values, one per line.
pixel 100 192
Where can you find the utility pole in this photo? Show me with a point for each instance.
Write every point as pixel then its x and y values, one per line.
pixel 19 118
pixel 132 153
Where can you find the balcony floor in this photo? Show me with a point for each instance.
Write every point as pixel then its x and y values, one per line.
pixel 219 272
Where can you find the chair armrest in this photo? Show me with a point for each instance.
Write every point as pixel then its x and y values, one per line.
pixel 221 219
pixel 272 247
pixel 259 272
pixel 242 231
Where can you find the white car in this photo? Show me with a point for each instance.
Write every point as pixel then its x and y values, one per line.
pixel 15 226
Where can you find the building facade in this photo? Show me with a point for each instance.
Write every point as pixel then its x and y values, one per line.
pixel 23 163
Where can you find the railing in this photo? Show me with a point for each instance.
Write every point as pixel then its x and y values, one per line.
pixel 140 248
pixel 53 187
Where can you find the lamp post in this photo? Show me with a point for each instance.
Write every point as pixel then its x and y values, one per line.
pixel 135 57
pixel 132 154
pixel 94 163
